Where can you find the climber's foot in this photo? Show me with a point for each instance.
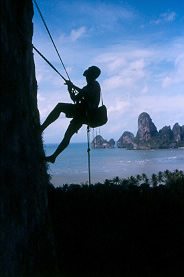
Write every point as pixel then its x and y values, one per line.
pixel 50 159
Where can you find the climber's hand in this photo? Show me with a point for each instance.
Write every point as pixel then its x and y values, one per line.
pixel 69 83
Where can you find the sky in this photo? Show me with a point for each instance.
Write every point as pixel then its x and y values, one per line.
pixel 137 44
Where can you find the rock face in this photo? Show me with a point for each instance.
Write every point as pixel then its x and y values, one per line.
pixel 166 133
pixel 182 129
pixel 146 128
pixel 111 143
pixel 126 140
pixel 99 142
pixel 149 138
pixel 177 132
pixel 25 234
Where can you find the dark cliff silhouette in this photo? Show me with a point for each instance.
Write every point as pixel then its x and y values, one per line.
pixel 25 237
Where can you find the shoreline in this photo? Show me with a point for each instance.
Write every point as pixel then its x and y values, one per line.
pixel 72 168
pixel 59 180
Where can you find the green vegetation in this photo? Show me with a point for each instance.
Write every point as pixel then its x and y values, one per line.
pixel 122 227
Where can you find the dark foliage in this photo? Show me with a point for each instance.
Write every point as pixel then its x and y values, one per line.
pixel 120 226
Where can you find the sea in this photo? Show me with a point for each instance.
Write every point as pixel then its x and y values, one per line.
pixel 71 166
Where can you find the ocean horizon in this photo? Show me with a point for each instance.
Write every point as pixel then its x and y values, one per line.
pixel 71 166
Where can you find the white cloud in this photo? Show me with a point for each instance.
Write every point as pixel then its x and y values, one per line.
pixel 113 63
pixel 55 132
pixel 76 34
pixel 177 76
pixel 103 14
pixel 170 16
pixel 117 117
pixel 119 106
pixel 165 17
pixel 160 103
pixel 40 97
pixel 130 72
pixel 144 90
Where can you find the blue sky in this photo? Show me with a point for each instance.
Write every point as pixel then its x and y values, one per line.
pixel 139 47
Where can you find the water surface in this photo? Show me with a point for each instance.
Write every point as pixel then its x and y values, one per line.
pixel 71 166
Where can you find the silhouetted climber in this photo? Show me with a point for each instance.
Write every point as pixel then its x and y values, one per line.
pixel 86 102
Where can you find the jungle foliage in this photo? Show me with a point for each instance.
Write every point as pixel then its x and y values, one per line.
pixel 121 225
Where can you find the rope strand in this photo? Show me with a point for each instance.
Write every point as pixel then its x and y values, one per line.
pixel 48 62
pixel 51 38
pixel 88 150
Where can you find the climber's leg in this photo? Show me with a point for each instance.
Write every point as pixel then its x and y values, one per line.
pixel 60 107
pixel 74 126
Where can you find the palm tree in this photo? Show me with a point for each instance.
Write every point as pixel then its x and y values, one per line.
pixel 181 173
pixel 167 175
pixel 145 178
pixel 133 180
pixel 160 177
pixel 65 187
pixel 154 180
pixel 139 178
pixel 116 180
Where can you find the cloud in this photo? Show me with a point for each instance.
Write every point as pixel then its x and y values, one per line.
pixel 40 97
pixel 165 17
pixel 77 33
pixel 98 15
pixel 144 90
pixel 54 133
pixel 170 16
pixel 104 12
pixel 119 106
pixel 117 116
pixel 128 75
pixel 177 76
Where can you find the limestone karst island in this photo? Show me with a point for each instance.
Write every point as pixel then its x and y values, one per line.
pixel 147 137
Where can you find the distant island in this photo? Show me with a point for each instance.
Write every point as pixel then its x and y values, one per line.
pixel 99 142
pixel 147 137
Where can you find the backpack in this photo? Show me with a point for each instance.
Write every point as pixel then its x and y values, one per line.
pixel 97 117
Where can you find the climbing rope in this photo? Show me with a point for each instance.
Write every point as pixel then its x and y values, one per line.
pixel 88 150
pixel 48 62
pixel 30 43
pixel 51 37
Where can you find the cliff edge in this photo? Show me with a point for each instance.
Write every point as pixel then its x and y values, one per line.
pixel 25 235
